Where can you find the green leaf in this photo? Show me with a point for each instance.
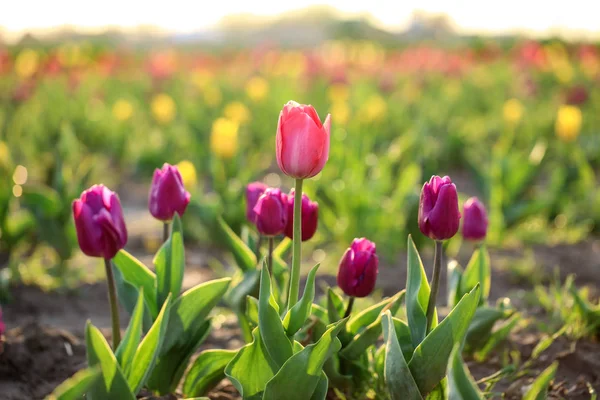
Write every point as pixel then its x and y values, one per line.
pixel 460 382
pixel 41 200
pixel 147 353
pixel 455 272
pixel 76 386
pixel 367 316
pixel 128 346
pixel 251 368
pixel 248 286
pixel 417 295
pixel 275 339
pixel 398 378
pixel 539 388
pixel 482 324
pixel 404 339
pixel 297 316
pixel 252 309
pixel 208 370
pixel 112 384
pixel 320 392
pixel 335 306
pixel 430 359
pixel 299 377
pixel 478 271
pixel 244 257
pixel 320 313
pixel 357 347
pixel 170 264
pixel 128 296
pixel 138 275
pixel 282 248
pixel 497 336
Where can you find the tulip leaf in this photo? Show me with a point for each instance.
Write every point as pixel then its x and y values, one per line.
pixel 272 331
pixel 497 336
pixel 128 346
pixel 244 257
pixel 248 286
pixel 477 271
pixel 454 273
pixel 398 378
pixel 367 316
pixel 322 388
pixel 482 324
pixel 76 386
pixel 251 368
pixel 417 295
pixel 539 388
pixel 170 263
pixel 335 306
pixel 461 385
pixel 41 200
pixel 319 312
pixel 128 296
pixel 404 339
pixel 147 353
pixel 299 313
pixel 358 344
pixel 138 275
pixel 112 384
pixel 430 358
pixel 252 309
pixel 208 370
pixel 283 248
pixel 300 375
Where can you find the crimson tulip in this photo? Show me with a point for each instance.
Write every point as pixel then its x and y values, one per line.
pixel 475 221
pixel 167 193
pixel 439 217
pixel 310 217
pixel 271 212
pixel 358 268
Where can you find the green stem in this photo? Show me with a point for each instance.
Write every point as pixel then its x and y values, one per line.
pixel 165 231
pixel 270 265
pixel 349 308
pixel 435 283
pixel 114 308
pixel 297 246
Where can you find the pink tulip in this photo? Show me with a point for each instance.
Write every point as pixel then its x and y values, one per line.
pixel 439 217
pixel 167 193
pixel 310 217
pixel 475 221
pixel 302 141
pixel 358 269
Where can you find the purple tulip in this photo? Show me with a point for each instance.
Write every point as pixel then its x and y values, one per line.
pixel 310 217
pixel 475 221
pixel 358 268
pixel 271 212
pixel 99 222
pixel 167 193
pixel 2 326
pixel 439 217
pixel 253 191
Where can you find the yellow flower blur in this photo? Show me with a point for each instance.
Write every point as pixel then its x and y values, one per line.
pixel 163 108
pixel 340 112
pixel 257 88
pixel 212 96
pixel 374 109
pixel 188 173
pixel 27 63
pixel 122 110
pixel 512 111
pixel 338 93
pixel 568 123
pixel 224 138
pixel 237 111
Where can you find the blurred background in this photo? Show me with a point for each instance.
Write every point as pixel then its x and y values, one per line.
pixel 503 97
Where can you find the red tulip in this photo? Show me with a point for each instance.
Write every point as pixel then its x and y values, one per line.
pixel 302 141
pixel 439 217
pixel 310 217
pixel 253 191
pixel 358 269
pixel 167 193
pixel 475 221
pixel 99 222
pixel 271 212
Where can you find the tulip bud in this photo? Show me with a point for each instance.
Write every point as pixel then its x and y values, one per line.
pixel 302 141
pixel 99 222
pixel 358 269
pixel 253 191
pixel 310 217
pixel 167 193
pixel 475 221
pixel 439 217
pixel 271 212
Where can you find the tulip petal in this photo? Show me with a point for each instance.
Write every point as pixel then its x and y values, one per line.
pixel 88 234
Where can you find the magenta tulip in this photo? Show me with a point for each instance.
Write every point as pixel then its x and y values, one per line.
pixel 310 217
pixel 167 193
pixel 439 217
pixel 302 141
pixel 99 222
pixel 271 212
pixel 253 191
pixel 358 269
pixel 475 220
pixel 2 326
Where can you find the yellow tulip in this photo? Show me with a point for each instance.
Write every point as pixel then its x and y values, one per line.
pixel 163 108
pixel 374 109
pixel 340 112
pixel 224 138
pixel 27 63
pixel 122 110
pixel 188 173
pixel 512 111
pixel 568 123
pixel 237 111
pixel 257 88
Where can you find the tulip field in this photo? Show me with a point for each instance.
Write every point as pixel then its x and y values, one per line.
pixel 350 221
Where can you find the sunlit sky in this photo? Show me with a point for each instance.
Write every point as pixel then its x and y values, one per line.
pixel 579 16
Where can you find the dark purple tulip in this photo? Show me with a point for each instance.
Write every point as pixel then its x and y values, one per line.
pixel 2 326
pixel 99 222
pixel 475 220
pixel 310 217
pixel 358 268
pixel 271 212
pixel 253 191
pixel 439 217
pixel 167 193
